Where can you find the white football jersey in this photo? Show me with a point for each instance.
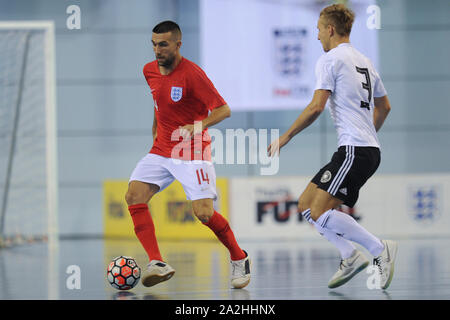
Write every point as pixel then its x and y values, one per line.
pixel 353 82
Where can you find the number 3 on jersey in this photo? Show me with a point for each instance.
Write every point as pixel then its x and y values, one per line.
pixel 366 85
pixel 204 177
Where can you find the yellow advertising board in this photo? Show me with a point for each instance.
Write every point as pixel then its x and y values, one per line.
pixel 171 212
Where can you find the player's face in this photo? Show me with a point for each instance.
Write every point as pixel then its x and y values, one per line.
pixel 165 46
pixel 323 35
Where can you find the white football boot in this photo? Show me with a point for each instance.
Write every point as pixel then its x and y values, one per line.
pixel 385 263
pixel 240 275
pixel 348 269
pixel 157 271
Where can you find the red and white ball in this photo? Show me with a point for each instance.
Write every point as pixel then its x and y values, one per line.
pixel 123 273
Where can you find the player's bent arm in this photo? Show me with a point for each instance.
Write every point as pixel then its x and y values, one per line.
pixel 216 116
pixel 310 113
pixel 381 111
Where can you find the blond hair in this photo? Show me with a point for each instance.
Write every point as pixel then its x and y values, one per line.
pixel 339 16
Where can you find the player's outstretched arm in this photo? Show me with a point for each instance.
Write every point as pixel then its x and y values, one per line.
pixel 306 118
pixel 381 111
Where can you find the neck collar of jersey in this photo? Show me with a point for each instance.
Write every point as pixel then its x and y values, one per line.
pixel 345 44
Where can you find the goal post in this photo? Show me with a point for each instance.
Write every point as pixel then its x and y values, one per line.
pixel 28 136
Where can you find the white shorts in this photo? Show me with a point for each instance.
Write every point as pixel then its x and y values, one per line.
pixel 198 177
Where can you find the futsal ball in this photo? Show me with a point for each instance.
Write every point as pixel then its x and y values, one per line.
pixel 123 273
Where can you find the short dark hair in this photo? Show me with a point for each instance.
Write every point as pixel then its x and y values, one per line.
pixel 340 17
pixel 168 26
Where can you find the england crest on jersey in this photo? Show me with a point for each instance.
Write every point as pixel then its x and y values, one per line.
pixel 176 94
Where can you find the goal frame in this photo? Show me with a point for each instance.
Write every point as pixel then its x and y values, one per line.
pixel 50 106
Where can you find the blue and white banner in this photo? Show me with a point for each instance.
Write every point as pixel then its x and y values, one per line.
pixel 407 206
pixel 261 54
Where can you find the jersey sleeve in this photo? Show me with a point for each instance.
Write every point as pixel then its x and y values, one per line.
pixel 204 90
pixel 378 87
pixel 147 72
pixel 325 78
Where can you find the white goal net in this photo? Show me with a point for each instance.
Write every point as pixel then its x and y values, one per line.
pixel 28 169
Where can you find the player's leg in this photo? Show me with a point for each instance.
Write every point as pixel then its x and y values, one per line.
pixel 138 195
pixel 338 177
pixel 352 260
pixel 323 212
pixel 148 178
pixel 198 179
pixel 340 182
pixel 348 178
pixel 350 265
pixel 204 211
pixel 240 262
pixel 345 247
pixel 199 184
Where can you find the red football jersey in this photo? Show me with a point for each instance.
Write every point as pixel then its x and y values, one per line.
pixel 182 97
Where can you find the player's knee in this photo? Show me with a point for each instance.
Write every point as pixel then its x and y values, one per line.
pixel 204 218
pixel 204 215
pixel 316 212
pixel 133 197
pixel 301 207
pixel 314 215
pixel 130 198
pixel 203 211
pixel 303 204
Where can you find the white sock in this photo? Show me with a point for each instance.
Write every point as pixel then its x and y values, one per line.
pixel 345 247
pixel 348 228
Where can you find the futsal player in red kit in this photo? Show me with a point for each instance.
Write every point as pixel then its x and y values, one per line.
pixel 186 103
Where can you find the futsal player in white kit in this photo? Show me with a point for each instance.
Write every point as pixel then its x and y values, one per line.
pixel 358 105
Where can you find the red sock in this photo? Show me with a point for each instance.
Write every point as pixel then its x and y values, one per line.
pixel 145 230
pixel 219 225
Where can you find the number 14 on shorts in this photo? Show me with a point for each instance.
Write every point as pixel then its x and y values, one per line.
pixel 204 176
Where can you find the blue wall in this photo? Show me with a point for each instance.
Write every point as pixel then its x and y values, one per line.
pixel 105 108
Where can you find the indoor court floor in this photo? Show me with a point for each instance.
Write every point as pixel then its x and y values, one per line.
pixel 281 270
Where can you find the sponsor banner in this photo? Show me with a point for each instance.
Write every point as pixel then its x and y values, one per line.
pixel 172 213
pixel 266 208
pixel 406 205
pixel 397 205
